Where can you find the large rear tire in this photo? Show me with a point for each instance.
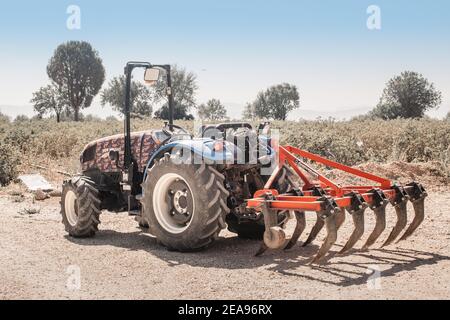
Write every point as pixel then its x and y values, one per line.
pixel 80 207
pixel 185 205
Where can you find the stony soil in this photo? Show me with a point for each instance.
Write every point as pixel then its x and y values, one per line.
pixel 37 261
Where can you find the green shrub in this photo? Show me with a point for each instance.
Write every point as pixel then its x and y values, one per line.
pixel 357 141
pixel 19 136
pixel 9 160
pixel 351 142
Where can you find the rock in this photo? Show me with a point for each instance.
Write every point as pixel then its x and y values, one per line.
pixel 34 182
pixel 55 193
pixel 40 195
pixel 30 211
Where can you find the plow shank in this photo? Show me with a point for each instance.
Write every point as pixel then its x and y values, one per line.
pixel 378 206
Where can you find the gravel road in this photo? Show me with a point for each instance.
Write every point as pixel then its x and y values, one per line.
pixel 39 261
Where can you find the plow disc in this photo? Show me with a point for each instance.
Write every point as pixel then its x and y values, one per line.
pixel 331 202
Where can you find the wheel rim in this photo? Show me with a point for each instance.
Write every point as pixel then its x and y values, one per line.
pixel 173 203
pixel 71 207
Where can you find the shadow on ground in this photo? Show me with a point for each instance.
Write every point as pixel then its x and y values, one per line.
pixel 234 253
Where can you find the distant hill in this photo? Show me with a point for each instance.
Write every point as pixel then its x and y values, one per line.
pixel 14 111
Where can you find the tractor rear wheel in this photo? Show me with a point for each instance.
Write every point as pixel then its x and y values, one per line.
pixel 80 207
pixel 184 204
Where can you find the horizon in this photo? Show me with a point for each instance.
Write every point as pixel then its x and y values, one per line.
pixel 236 49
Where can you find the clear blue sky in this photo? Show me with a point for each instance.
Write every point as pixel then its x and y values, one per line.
pixel 237 48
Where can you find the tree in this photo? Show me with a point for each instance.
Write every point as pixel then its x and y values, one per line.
pixel 409 95
pixel 180 113
pixel 184 90
pixel 47 100
pixel 78 72
pixel 111 119
pixel 212 110
pixel 249 112
pixel 258 109
pixel 141 97
pixel 4 118
pixel 274 103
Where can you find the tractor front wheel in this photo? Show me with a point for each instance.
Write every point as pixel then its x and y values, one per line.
pixel 80 207
pixel 184 204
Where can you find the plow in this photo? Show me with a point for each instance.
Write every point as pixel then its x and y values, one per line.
pixel 331 201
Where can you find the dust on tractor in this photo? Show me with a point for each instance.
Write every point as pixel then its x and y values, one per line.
pixel 185 190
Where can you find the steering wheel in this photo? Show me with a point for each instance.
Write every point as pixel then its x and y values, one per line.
pixel 179 131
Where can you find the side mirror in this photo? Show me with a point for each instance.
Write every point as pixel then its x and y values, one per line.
pixel 151 75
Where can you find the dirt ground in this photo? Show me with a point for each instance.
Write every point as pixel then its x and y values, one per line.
pixel 39 261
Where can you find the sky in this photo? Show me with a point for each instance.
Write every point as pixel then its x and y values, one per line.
pixel 237 48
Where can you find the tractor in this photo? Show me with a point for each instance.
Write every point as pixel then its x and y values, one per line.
pixel 186 189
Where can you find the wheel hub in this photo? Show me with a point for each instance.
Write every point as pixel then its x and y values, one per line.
pixel 180 202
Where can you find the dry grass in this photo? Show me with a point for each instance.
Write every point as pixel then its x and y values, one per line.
pixel 47 143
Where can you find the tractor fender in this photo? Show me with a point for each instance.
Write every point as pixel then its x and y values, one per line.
pixel 201 147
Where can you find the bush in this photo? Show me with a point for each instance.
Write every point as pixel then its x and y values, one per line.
pixel 19 136
pixel 350 142
pixel 358 141
pixel 21 118
pixel 9 160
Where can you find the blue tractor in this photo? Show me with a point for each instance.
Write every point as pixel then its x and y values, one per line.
pixel 185 190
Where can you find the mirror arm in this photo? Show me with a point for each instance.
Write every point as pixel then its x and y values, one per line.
pixel 169 92
pixel 170 97
pixel 127 108
pixel 127 156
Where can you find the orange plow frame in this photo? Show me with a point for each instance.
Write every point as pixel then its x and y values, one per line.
pixel 330 201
